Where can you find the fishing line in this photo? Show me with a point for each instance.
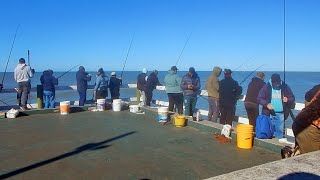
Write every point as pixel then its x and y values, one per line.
pixel 244 63
pixel 68 71
pixel 4 102
pixel 250 74
pixel 185 44
pixel 125 62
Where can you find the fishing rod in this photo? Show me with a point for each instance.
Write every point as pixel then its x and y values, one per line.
pixel 185 44
pixel 68 71
pixel 4 102
pixel 243 63
pixel 12 45
pixel 29 95
pixel 284 43
pixel 250 74
pixel 125 62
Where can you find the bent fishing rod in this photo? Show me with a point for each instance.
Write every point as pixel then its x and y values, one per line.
pixel 185 44
pixel 68 71
pixel 125 62
pixel 244 63
pixel 250 74
pixel 12 45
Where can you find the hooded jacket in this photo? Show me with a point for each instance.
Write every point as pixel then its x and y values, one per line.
pixel 264 98
pixel 212 84
pixel 311 93
pixel 253 90
pixel 114 85
pixel 190 80
pixel 229 92
pixel 48 81
pixel 172 82
pixel 152 82
pixel 101 81
pixel 141 81
pixel 23 73
pixel 82 80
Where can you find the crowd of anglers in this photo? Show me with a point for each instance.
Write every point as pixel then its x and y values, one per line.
pixel 274 96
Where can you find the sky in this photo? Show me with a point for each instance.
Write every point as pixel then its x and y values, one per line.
pixel 97 33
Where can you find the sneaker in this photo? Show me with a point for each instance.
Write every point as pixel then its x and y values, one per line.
pixel 24 108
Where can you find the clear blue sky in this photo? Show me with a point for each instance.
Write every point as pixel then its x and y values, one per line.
pixel 63 33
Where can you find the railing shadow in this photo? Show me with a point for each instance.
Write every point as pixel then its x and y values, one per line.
pixel 86 147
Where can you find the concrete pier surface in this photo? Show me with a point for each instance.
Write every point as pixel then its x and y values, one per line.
pixel 115 145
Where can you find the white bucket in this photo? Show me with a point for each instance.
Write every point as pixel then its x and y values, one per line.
pixel 163 113
pixel 64 107
pixel 134 108
pixel 226 130
pixel 116 105
pixel 101 104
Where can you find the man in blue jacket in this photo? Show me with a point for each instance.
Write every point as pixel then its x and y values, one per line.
pixel 190 85
pixel 48 82
pixel 82 84
pixel 172 82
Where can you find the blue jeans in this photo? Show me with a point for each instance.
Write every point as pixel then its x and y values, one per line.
pixel 190 105
pixel 49 99
pixel 83 97
pixel 278 125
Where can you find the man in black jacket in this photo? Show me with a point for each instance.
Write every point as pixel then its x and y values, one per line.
pixel 250 102
pixel 151 84
pixel 114 86
pixel 82 84
pixel 48 82
pixel 229 92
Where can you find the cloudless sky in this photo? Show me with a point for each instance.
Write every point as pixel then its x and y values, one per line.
pixel 96 33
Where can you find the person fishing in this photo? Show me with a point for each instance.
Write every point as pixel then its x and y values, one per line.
pixel 141 81
pixel 151 84
pixel 101 86
pixel 276 98
pixel 229 92
pixel 48 82
pixel 250 103
pixel 22 75
pixel 190 85
pixel 114 86
pixel 212 87
pixel 172 83
pixel 82 84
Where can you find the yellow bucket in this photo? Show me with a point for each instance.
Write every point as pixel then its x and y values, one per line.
pixel 244 136
pixel 179 121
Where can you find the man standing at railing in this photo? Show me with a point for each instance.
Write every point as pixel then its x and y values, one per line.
pixel 172 82
pixel 114 86
pixel 190 85
pixel 82 84
pixel 141 81
pixel 151 84
pixel 48 82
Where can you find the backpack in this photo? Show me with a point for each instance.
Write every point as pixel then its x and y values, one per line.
pixel 264 128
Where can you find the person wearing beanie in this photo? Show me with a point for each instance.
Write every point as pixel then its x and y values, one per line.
pixel 101 85
pixel 141 81
pixel 151 84
pixel 212 87
pixel 172 83
pixel 229 93
pixel 22 75
pixel 190 84
pixel 48 82
pixel 82 84
pixel 250 102
pixel 276 99
pixel 114 86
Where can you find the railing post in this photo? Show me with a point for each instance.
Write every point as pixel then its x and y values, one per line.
pixel 40 96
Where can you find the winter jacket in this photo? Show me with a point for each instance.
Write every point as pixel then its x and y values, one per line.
pixel 229 92
pixel 311 93
pixel 48 81
pixel 172 82
pixel 101 81
pixel 82 80
pixel 114 85
pixel 264 98
pixel 152 82
pixel 141 81
pixel 23 73
pixel 212 84
pixel 253 90
pixel 188 80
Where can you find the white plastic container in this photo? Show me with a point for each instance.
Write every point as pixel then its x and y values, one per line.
pixel 64 107
pixel 226 130
pixel 134 108
pixel 101 104
pixel 12 113
pixel 163 113
pixel 116 105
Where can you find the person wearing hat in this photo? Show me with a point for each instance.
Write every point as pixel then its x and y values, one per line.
pixel 151 84
pixel 212 87
pixel 101 85
pixel 276 99
pixel 82 84
pixel 172 83
pixel 190 84
pixel 229 93
pixel 141 81
pixel 114 86
pixel 22 75
pixel 48 82
pixel 250 102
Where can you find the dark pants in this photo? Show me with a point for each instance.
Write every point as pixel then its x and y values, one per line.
pixel 23 92
pixel 252 112
pixel 213 109
pixel 190 103
pixel 148 97
pixel 227 114
pixel 114 94
pixel 176 99
pixel 83 97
